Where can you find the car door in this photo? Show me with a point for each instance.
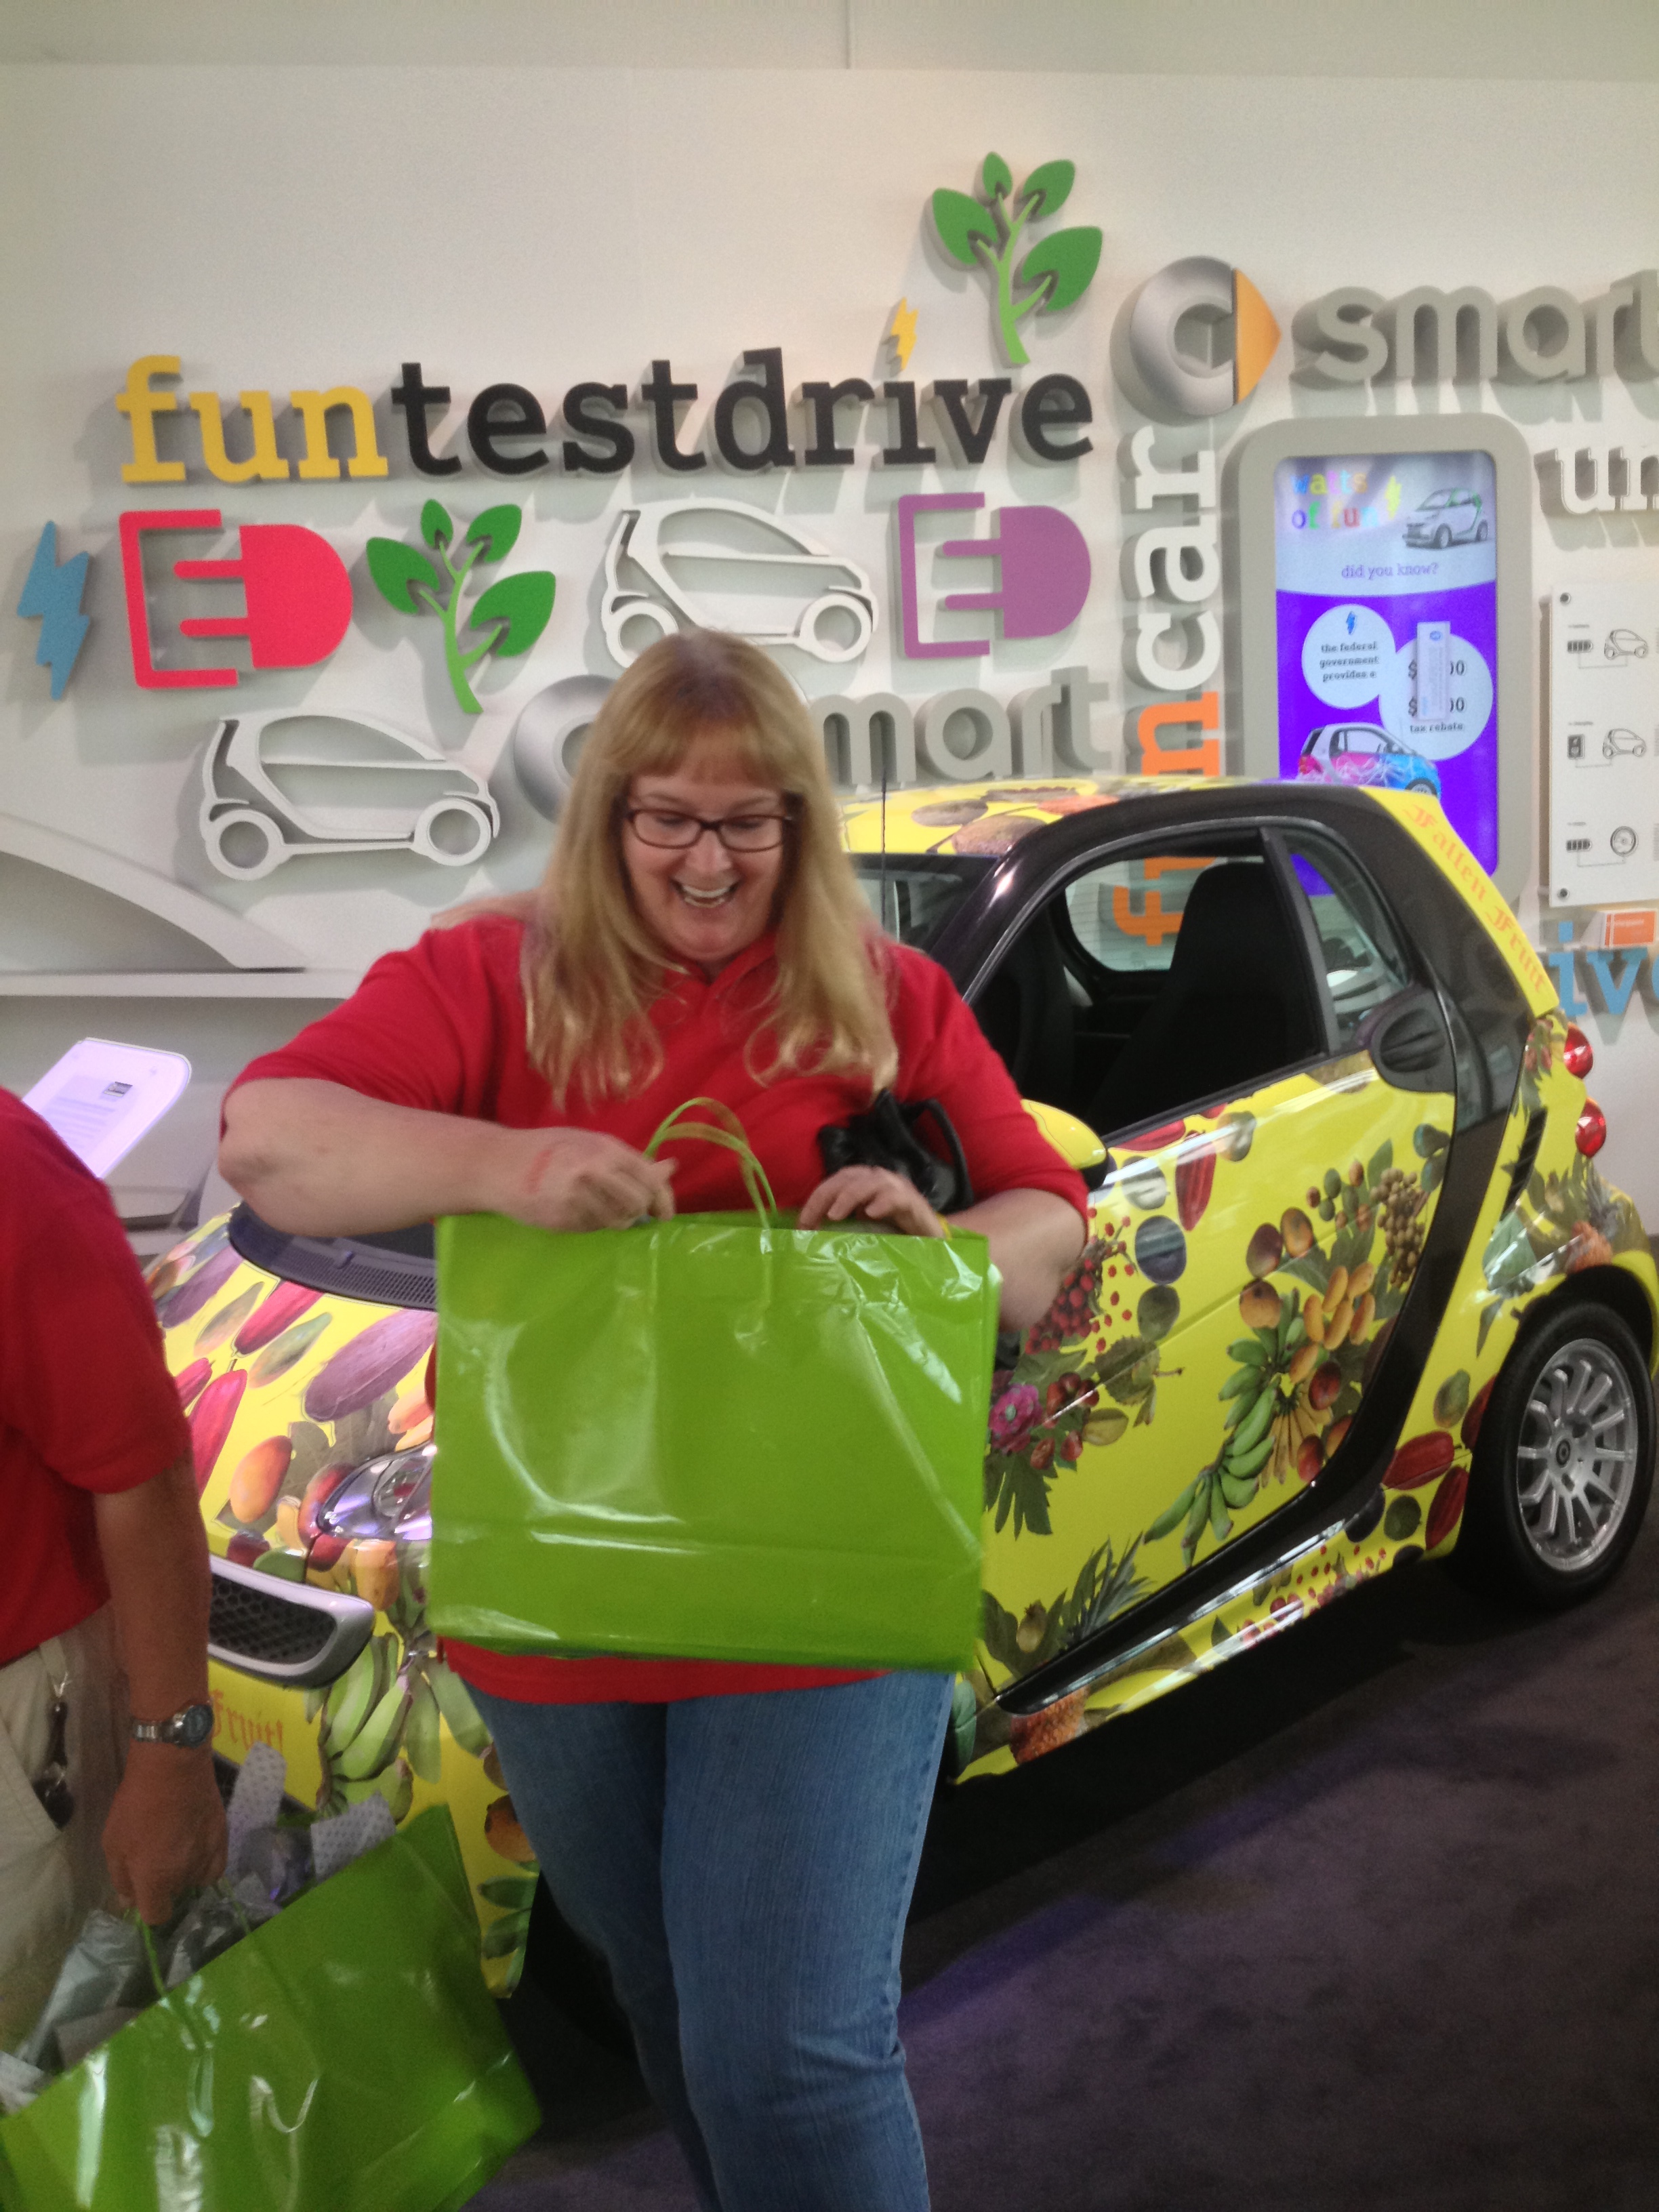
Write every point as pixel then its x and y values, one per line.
pixel 1275 1090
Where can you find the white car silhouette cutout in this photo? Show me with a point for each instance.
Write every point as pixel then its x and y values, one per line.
pixel 716 564
pixel 335 783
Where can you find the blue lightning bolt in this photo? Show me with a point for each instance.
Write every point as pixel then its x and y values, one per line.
pixel 51 596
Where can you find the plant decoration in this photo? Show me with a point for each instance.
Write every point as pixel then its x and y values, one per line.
pixel 1311 1344
pixel 507 618
pixel 989 233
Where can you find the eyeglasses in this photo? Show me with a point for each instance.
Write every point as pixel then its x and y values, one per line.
pixel 737 833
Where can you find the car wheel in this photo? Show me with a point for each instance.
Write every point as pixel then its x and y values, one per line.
pixel 454 831
pixel 1442 538
pixel 1564 1461
pixel 1419 784
pixel 626 627
pixel 245 843
pixel 1482 533
pixel 836 627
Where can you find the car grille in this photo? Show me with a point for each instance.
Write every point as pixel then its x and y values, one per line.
pixel 281 1631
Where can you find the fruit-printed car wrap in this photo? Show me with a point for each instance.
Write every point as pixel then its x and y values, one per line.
pixel 311 1428
pixel 1263 1382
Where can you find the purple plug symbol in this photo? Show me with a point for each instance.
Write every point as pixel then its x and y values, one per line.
pixel 1043 572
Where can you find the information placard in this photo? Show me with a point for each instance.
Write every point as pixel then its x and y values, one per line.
pixel 100 1098
pixel 1386 575
pixel 1604 744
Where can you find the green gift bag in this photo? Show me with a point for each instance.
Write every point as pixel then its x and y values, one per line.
pixel 345 2057
pixel 718 1436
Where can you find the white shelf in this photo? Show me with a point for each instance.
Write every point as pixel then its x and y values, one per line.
pixel 207 983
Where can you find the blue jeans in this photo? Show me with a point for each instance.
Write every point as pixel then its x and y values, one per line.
pixel 745 1864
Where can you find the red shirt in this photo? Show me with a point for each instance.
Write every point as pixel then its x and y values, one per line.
pixel 86 1401
pixel 442 1027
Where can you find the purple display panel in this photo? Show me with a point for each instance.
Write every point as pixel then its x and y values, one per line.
pixel 1386 571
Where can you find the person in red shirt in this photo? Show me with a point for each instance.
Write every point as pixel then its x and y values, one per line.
pixel 106 1570
pixel 740 1842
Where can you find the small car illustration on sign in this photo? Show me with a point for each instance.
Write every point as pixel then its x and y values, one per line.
pixel 284 782
pixel 1627 742
pixel 1625 645
pixel 1360 752
pixel 714 564
pixel 1447 518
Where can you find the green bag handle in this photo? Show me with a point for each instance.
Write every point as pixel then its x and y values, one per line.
pixel 731 1137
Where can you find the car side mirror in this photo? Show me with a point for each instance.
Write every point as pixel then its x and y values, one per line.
pixel 1074 1141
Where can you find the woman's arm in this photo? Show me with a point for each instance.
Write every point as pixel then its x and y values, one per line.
pixel 320 1160
pixel 1034 1237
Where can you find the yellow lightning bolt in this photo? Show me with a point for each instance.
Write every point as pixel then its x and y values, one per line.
pixel 902 332
pixel 1391 497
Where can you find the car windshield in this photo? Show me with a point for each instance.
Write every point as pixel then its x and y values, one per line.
pixel 1437 499
pixel 914 894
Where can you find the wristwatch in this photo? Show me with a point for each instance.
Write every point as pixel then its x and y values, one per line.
pixel 190 1729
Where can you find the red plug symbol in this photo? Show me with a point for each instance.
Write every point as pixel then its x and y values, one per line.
pixel 296 590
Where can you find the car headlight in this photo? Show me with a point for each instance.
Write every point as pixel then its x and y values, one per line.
pixel 390 1495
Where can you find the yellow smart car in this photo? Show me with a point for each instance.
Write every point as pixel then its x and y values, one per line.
pixel 1355 1292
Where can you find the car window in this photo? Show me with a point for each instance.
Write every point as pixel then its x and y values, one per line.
pixel 1364 964
pixel 1126 914
pixel 913 895
pixel 1365 741
pixel 1152 981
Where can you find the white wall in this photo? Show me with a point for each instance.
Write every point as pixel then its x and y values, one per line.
pixel 284 226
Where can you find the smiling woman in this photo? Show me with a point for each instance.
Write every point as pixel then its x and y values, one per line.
pixel 700 935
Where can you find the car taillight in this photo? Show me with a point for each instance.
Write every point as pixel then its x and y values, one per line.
pixel 1592 1131
pixel 1576 1055
pixel 1307 765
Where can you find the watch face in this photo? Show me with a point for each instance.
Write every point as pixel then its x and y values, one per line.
pixel 192 1727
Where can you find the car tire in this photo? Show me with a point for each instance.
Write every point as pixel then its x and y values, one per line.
pixel 1552 1512
pixel 1482 533
pixel 1419 784
pixel 425 841
pixel 1442 538
pixel 271 853
pixel 573 1977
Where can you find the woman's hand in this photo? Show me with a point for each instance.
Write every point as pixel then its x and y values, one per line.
pixel 875 1195
pixel 579 1179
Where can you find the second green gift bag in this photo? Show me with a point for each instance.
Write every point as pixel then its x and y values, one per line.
pixel 717 1436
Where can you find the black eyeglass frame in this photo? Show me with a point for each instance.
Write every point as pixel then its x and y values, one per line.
pixel 784 822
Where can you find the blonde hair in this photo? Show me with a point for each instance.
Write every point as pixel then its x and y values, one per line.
pixel 592 967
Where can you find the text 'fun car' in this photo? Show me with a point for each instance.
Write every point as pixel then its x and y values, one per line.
pixel 1354 1292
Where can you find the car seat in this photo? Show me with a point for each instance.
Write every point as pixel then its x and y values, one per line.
pixel 1026 1012
pixel 1234 1006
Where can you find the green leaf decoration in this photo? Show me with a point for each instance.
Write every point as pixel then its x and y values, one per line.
pixel 959 221
pixel 524 603
pixel 396 570
pixel 1380 1162
pixel 436 527
pixel 995 176
pixel 1068 259
pixel 494 532
pixel 513 1892
pixel 1451 1400
pixel 505 1934
pixel 1047 189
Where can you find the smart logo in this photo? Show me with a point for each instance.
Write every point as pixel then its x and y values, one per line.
pixel 1199 291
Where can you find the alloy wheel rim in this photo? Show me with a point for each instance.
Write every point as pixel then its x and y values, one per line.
pixel 1576 1457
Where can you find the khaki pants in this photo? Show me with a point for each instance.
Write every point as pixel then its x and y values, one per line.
pixel 51 1878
